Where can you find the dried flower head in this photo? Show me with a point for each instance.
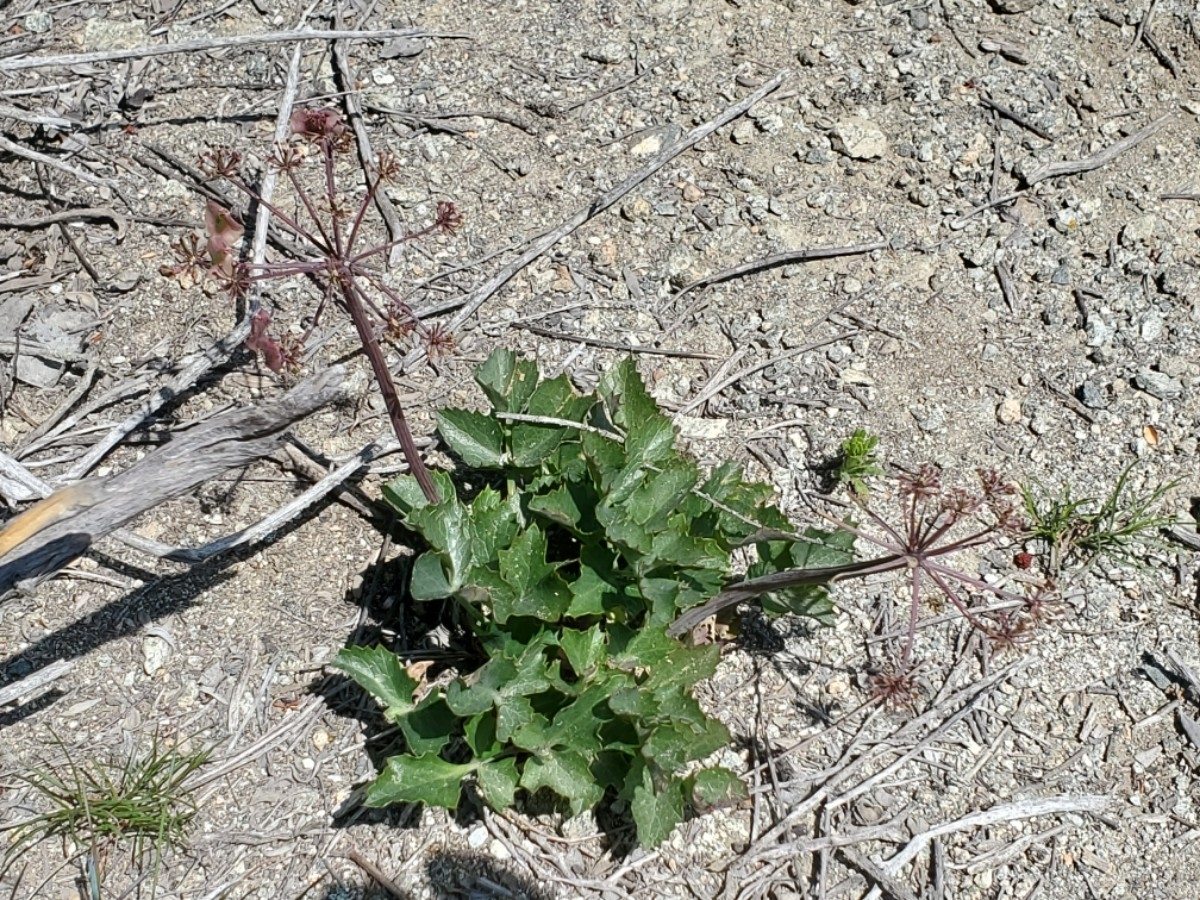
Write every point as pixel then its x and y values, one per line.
pixel 1043 605
pixel 286 157
pixel 894 688
pixel 400 321
pixel 994 485
pixel 193 259
pixel 388 168
pixel 448 218
pixel 220 162
pixel 318 124
pixel 438 341
pixel 924 484
pixel 960 502
pixel 1009 632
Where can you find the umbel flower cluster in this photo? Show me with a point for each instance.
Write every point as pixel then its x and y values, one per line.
pixel 329 230
pixel 936 522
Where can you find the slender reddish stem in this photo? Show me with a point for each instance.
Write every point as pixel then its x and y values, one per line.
pixel 391 400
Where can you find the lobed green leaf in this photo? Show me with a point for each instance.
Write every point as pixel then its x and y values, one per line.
pixel 477 438
pixel 507 380
pixel 378 671
pixel 656 813
pixel 419 779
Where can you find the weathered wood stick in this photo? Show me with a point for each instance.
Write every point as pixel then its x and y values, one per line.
pixel 46 537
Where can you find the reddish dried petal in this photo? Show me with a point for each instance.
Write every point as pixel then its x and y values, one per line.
pixel 315 124
pixel 261 342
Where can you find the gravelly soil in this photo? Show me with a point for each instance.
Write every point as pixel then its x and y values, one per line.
pixel 1050 336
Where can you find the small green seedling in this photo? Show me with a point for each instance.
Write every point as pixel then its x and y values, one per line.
pixel 857 461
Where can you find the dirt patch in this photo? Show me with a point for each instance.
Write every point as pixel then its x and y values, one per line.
pixel 1044 328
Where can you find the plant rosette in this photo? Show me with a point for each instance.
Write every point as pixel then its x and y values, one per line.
pixel 593 533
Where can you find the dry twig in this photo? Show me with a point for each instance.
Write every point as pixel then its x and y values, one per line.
pixel 99 507
pixel 1096 160
pixel 611 345
pixel 216 43
pixel 31 685
pixel 473 301
pixel 1007 812
pixel 54 163
pixel 782 259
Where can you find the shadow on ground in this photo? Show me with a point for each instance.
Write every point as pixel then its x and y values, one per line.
pixel 453 876
pixel 157 599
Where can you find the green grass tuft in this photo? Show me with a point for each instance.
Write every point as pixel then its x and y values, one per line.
pixel 143 797
pixel 1081 531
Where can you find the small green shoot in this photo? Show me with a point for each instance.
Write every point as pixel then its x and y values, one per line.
pixel 857 461
pixel 570 573
pixel 1081 531
pixel 143 797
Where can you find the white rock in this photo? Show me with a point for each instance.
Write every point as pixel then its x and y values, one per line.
pixel 1009 411
pixel 694 428
pixel 155 653
pixel 858 138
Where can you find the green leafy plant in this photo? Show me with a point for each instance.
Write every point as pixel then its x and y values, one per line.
pixel 857 461
pixel 143 797
pixel 1080 531
pixel 569 574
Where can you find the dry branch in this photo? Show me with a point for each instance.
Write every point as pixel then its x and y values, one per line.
pixel 1096 160
pixel 191 373
pixel 100 506
pixel 34 684
pixel 72 215
pixel 33 156
pixel 1007 812
pixel 216 43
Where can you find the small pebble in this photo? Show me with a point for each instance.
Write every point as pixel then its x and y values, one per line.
pixel 38 22
pixel 610 53
pixel 1009 411
pixel 1158 384
pixel 858 138
pixel 1092 395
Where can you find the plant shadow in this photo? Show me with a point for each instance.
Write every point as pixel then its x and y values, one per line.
pixel 452 876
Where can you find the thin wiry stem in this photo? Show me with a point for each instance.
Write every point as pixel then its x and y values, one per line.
pixel 370 301
pixel 914 612
pixel 326 244
pixel 952 595
pixel 977 584
pixel 331 195
pixel 881 523
pixel 372 188
pixel 278 213
pixel 384 248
